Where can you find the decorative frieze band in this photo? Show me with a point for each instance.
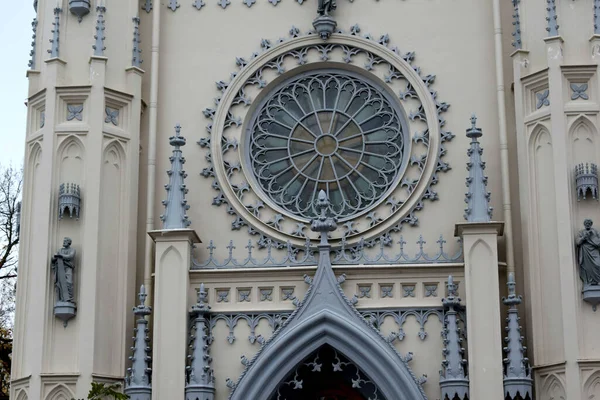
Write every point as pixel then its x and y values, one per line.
pixel 374 316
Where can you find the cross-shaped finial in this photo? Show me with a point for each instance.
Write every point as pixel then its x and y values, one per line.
pixel 177 140
pixel 142 296
pixel 473 121
pixel 474 132
pixel 322 203
pixel 451 287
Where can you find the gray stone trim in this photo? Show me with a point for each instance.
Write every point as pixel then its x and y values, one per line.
pixel 138 379
pixel 136 60
pixel 453 377
pixel 54 50
pixel 517 44
pixel 597 17
pixel 517 372
pixel 175 216
pixel 552 18
pixel 477 197
pixel 361 254
pixel 32 53
pixel 200 376
pixel 326 317
pixel 99 36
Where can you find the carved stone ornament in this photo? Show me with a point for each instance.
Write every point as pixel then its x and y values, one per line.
pixel 63 266
pixel 69 200
pixel 79 8
pixel 238 128
pixel 324 23
pixel 588 257
pixel 327 319
pixel 586 179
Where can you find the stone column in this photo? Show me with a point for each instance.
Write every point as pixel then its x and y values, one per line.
pixel 173 250
pixel 484 334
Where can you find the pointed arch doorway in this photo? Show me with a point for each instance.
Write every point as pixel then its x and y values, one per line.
pixel 327 375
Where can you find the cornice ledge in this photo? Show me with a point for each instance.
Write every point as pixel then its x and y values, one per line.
pixel 595 37
pixel 169 235
pixel 552 39
pixel 549 365
pixel 55 60
pixel 20 380
pixel 519 52
pixel 99 58
pixel 462 228
pixel 136 70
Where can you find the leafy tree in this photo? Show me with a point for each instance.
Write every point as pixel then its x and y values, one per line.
pixel 100 391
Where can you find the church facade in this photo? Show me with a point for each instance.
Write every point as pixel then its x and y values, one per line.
pixel 324 199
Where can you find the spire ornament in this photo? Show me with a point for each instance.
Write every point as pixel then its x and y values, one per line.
pixel 517 373
pixel 453 379
pixel 33 51
pixel 99 36
pixel 176 206
pixel 517 24
pixel 138 380
pixel 54 50
pixel 597 17
pixel 477 197
pixel 552 18
pixel 137 51
pixel 200 378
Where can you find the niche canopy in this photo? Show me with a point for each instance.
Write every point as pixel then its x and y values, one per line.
pixel 350 116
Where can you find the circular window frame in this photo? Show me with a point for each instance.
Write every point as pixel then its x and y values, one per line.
pixel 250 71
pixel 310 70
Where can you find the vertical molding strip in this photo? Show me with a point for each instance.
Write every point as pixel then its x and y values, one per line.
pixel 54 51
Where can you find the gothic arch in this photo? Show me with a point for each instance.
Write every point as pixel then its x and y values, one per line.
pixel 583 139
pixel 21 394
pixel 71 160
pixel 553 389
pixel 591 388
pixel 477 244
pixel 538 130
pixel 60 392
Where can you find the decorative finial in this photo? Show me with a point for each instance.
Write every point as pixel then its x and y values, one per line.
pixel 99 36
pixel 33 51
pixel 175 216
pixel 477 196
pixel 137 381
pixel 517 24
pixel 137 51
pixel 552 18
pixel 200 377
pixel 55 48
pixel 517 373
pixel 453 378
pixel 323 224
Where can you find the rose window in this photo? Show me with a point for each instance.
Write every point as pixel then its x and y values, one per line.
pixel 329 131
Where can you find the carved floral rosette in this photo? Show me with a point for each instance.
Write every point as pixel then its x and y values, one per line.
pixel 238 100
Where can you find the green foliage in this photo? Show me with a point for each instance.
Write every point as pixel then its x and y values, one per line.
pixel 100 391
pixel 5 360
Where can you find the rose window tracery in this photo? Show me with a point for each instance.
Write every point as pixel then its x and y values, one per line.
pixel 327 131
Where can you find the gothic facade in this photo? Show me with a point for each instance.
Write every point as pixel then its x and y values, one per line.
pixel 294 199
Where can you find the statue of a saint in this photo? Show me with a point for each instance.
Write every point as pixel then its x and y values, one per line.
pixel 588 246
pixel 326 6
pixel 63 263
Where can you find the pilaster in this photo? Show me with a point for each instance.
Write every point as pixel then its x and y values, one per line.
pixel 480 244
pixel 564 218
pixel 173 249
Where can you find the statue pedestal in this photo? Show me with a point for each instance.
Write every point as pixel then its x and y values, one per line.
pixel 591 294
pixel 325 26
pixel 64 311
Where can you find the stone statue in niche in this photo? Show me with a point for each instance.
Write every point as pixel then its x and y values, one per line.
pixel 63 264
pixel 588 258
